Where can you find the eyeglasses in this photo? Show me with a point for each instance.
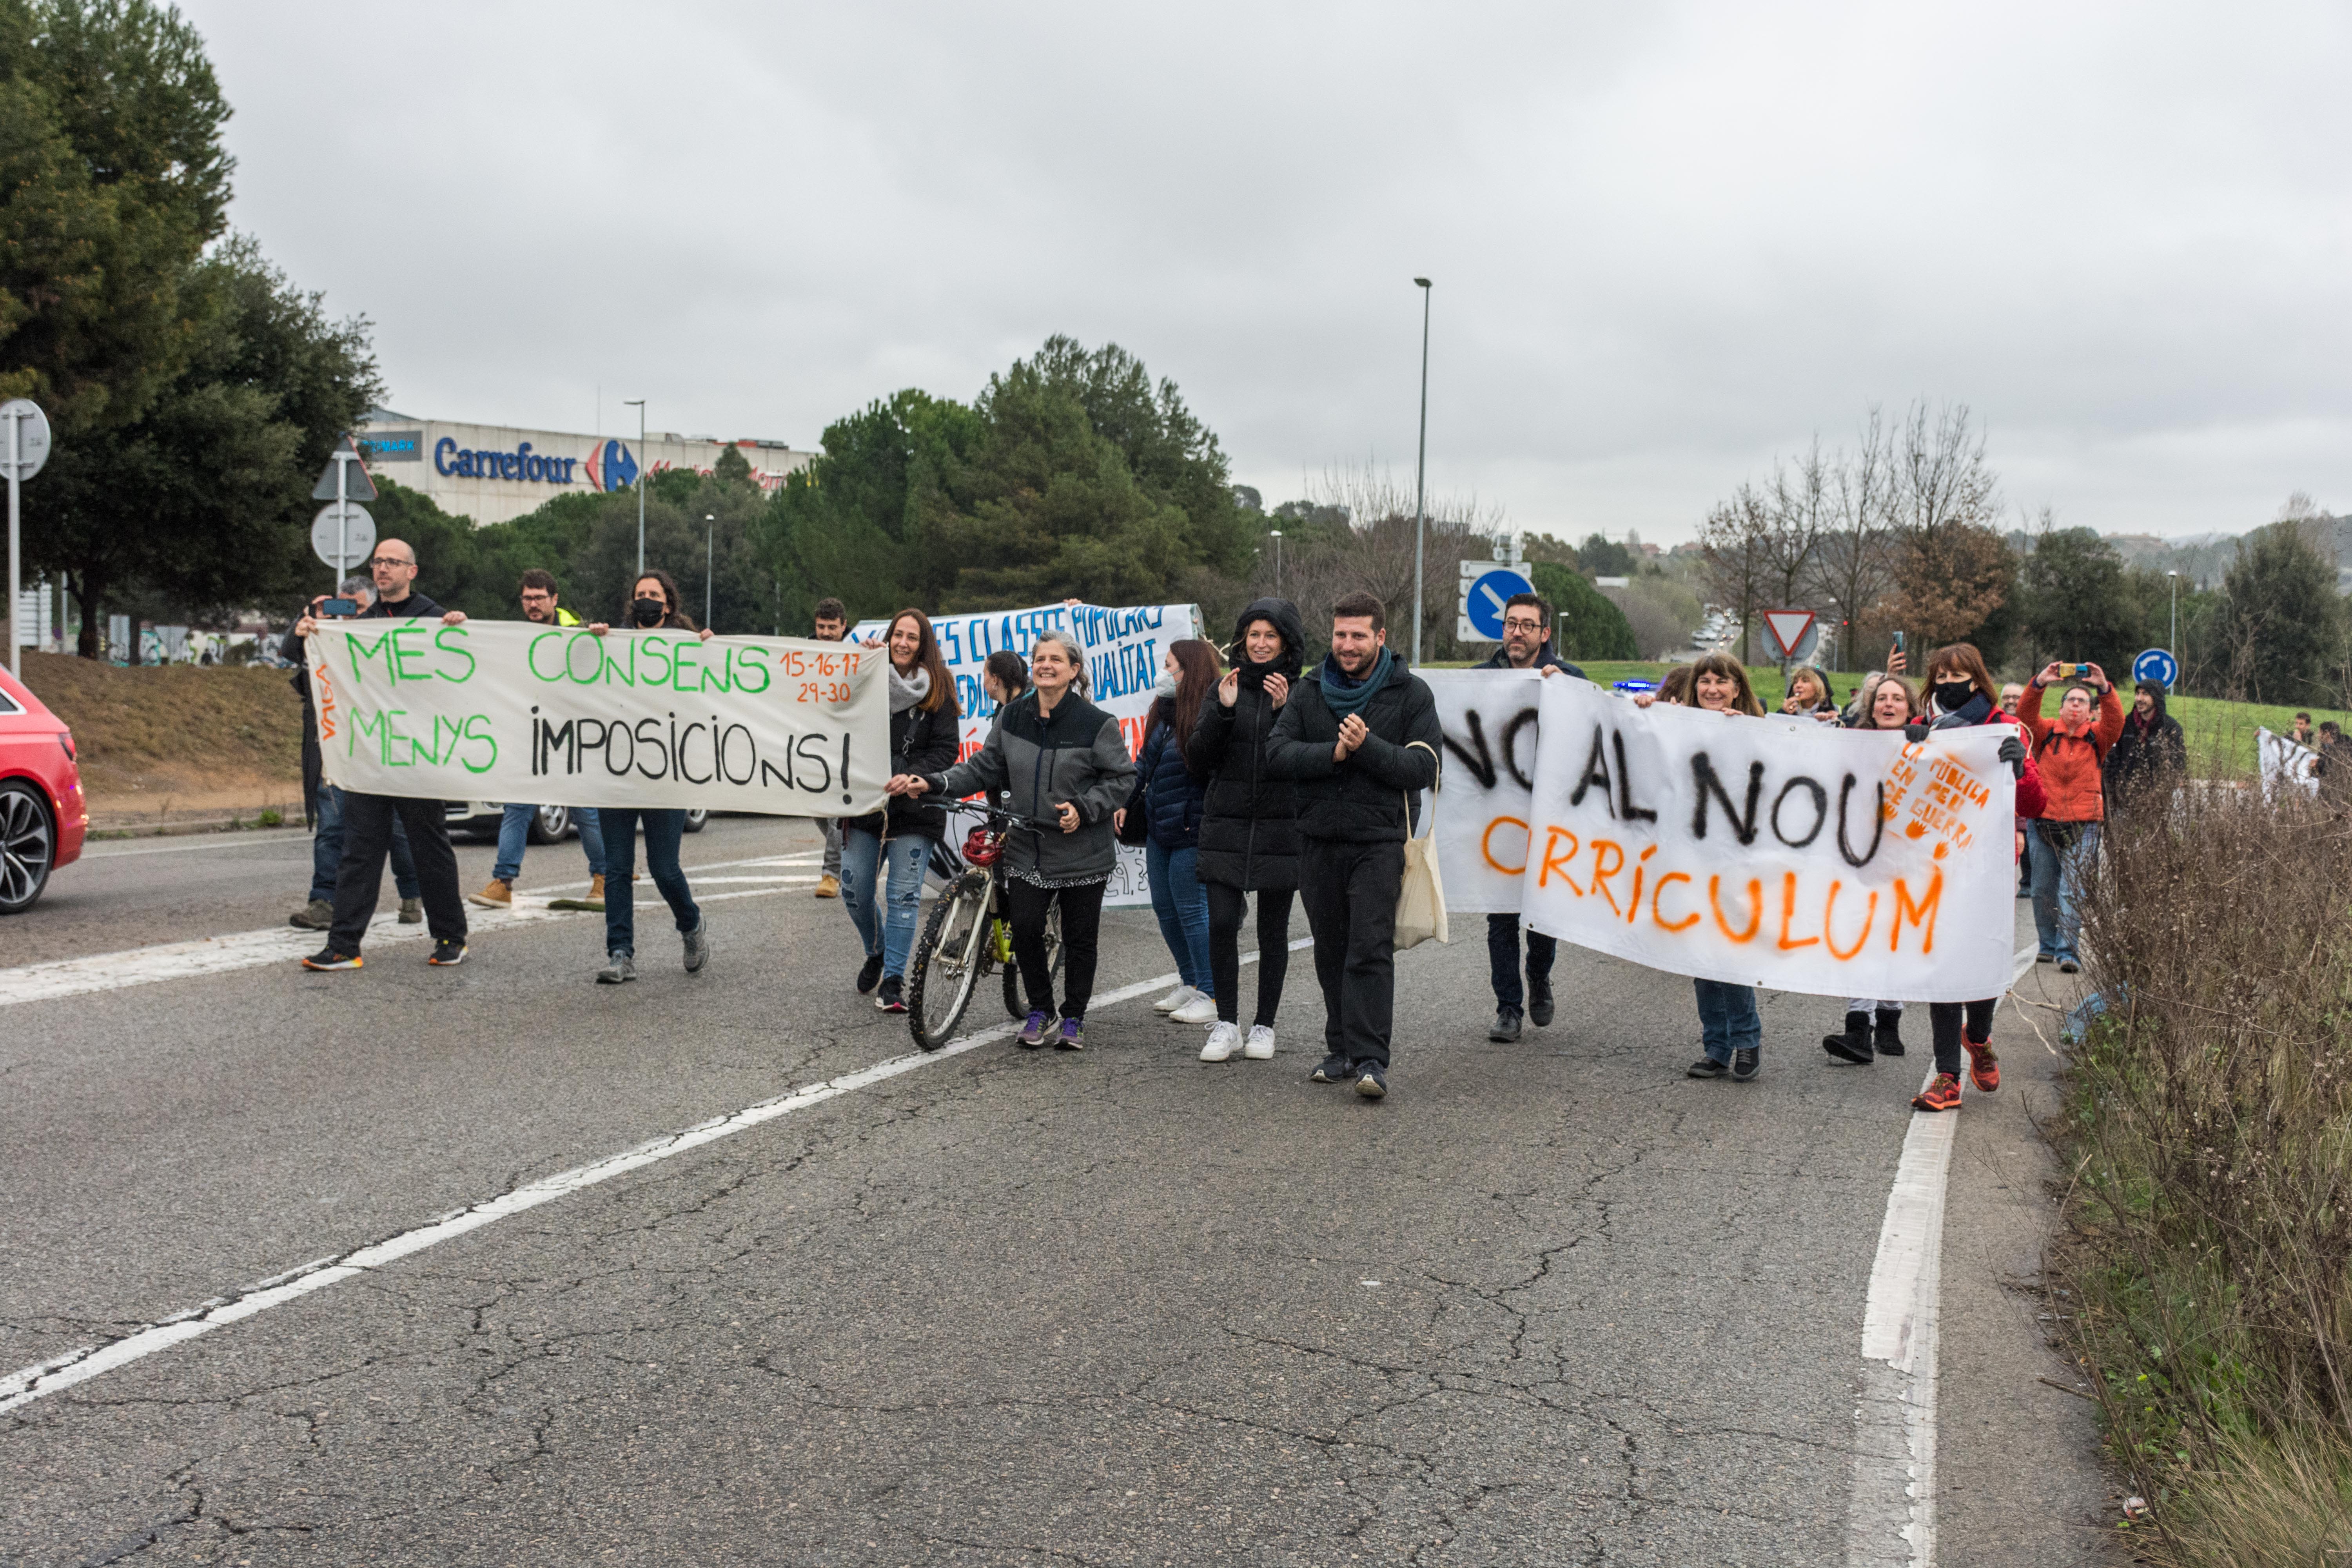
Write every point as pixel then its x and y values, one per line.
pixel 1523 625
pixel 388 561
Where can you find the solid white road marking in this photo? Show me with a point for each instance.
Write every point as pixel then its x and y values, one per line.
pixel 1891 1510
pixel 62 1371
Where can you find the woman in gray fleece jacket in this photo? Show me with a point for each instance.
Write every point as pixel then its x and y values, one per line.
pixel 1063 761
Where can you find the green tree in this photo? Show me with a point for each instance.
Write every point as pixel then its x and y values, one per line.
pixel 2073 603
pixel 1603 558
pixel 2280 626
pixel 1590 627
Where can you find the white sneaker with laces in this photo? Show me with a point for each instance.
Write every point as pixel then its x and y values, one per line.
pixel 1221 1041
pixel 1174 999
pixel 1199 1010
pixel 1261 1043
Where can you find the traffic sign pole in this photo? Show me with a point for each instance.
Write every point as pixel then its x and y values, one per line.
pixel 16 564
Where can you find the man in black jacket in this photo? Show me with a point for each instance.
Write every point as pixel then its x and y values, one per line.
pixel 1526 645
pixel 1359 737
pixel 2150 756
pixel 368 819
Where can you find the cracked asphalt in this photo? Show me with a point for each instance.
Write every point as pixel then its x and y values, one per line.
pixel 1551 1302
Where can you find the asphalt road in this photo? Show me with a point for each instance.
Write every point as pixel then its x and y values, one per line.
pixel 1550 1302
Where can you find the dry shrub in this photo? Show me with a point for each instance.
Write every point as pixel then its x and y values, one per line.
pixel 2210 1125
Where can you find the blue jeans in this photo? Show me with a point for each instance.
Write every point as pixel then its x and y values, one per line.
pixel 1727 1019
pixel 890 929
pixel 665 829
pixel 1183 912
pixel 327 849
pixel 2058 878
pixel 1503 961
pixel 514 832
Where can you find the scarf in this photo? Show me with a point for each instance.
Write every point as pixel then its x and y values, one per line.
pixel 906 691
pixel 1344 696
pixel 1976 710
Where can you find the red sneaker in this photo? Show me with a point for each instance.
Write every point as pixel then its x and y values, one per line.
pixel 1943 1094
pixel 1984 1068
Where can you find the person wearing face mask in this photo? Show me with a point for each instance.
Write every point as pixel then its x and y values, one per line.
pixel 1166 804
pixel 2072 749
pixel 1249 825
pixel 653 606
pixel 1526 645
pixel 1961 694
pixel 923 727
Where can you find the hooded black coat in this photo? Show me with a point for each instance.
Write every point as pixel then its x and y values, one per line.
pixel 2147 756
pixel 1249 820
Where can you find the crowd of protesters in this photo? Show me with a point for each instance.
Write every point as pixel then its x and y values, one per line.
pixel 1255 775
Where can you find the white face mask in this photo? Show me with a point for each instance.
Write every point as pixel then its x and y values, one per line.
pixel 1167 687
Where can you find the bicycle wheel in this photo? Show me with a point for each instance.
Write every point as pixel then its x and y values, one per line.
pixel 947 962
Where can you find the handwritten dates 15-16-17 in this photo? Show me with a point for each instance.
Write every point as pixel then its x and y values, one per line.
pixel 830 671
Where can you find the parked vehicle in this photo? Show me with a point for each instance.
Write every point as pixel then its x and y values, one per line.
pixel 43 816
pixel 552 825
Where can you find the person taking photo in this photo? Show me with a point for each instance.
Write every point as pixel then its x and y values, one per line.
pixel 1360 738
pixel 1526 645
pixel 653 606
pixel 899 837
pixel 2071 751
pixel 539 597
pixel 1060 760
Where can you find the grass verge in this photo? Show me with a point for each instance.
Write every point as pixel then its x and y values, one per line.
pixel 225 738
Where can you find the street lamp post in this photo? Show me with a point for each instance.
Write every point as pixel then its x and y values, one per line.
pixel 1277 563
pixel 1420 471
pixel 2172 645
pixel 709 536
pixel 639 405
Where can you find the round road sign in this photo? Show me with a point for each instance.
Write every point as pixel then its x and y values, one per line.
pixel 327 532
pixel 2157 664
pixel 32 427
pixel 1483 604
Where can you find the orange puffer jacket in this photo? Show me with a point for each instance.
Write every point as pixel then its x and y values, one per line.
pixel 2072 764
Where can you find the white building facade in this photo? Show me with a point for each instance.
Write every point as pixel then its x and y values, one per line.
pixel 491 473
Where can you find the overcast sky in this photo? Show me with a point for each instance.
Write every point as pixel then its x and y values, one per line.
pixel 1668 241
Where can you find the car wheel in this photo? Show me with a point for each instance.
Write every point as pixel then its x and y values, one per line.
pixel 28 846
pixel 697 819
pixel 549 823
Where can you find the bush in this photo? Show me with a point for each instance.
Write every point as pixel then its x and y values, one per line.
pixel 1589 625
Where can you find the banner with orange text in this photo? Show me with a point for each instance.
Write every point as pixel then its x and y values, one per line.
pixel 1769 851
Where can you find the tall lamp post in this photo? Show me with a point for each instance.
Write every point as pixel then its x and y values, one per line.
pixel 709 536
pixel 1420 469
pixel 1277 563
pixel 639 405
pixel 2173 645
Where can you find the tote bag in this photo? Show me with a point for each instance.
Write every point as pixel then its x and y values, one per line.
pixel 1421 900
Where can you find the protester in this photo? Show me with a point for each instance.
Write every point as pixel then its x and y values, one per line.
pixel 1810 696
pixel 1731 1031
pixel 2150 756
pixel 1526 645
pixel 923 732
pixel 322 803
pixel 2301 732
pixel 829 622
pixel 1960 694
pixel 539 596
pixel 1874 1026
pixel 1674 688
pixel 1360 738
pixel 2011 694
pixel 1003 676
pixel 653 606
pixel 1169 800
pixel 1249 825
pixel 1060 758
pixel 2071 751
pixel 369 820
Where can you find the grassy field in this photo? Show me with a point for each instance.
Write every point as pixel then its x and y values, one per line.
pixel 163 743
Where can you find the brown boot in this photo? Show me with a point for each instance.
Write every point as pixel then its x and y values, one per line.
pixel 828 887
pixel 496 894
pixel 595 899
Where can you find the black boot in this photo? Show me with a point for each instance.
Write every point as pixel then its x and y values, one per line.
pixel 1888 1036
pixel 1853 1046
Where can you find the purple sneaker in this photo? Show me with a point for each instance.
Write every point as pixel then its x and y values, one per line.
pixel 1033 1033
pixel 1074 1036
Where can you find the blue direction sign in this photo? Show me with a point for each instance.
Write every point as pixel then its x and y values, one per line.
pixel 1483 602
pixel 2157 664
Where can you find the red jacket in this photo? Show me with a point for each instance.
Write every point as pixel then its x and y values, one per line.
pixel 2073 765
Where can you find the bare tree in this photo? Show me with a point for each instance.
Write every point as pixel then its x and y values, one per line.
pixel 1800 510
pixel 1374 552
pixel 1854 561
pixel 1734 557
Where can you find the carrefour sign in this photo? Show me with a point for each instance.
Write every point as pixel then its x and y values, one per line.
pixel 607 467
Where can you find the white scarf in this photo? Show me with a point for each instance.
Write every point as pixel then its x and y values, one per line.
pixel 907 690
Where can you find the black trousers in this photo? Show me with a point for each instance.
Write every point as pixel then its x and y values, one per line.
pixel 367 840
pixel 1502 960
pixel 1226 907
pixel 1944 1018
pixel 1081 929
pixel 1351 894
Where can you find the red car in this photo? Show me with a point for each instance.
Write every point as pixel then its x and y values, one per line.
pixel 42 814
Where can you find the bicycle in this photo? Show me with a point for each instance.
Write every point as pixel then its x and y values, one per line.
pixel 969 934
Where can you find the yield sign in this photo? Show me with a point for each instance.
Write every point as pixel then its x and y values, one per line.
pixel 1788 628
pixel 357 485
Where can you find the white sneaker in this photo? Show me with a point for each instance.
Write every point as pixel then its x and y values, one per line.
pixel 1174 999
pixel 1221 1041
pixel 1261 1043
pixel 1199 1010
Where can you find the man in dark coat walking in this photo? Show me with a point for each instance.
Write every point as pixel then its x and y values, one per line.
pixel 2150 755
pixel 1526 645
pixel 1359 737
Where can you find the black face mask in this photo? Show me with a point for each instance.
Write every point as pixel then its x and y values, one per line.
pixel 1952 696
pixel 649 612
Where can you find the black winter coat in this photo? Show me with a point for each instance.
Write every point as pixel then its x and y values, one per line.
pixel 1165 790
pixel 1249 833
pixel 1501 659
pixel 921 744
pixel 1363 800
pixel 2154 755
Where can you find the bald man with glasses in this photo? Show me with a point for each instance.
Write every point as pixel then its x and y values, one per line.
pixel 368 819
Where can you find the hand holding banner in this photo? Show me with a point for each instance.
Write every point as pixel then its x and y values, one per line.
pixel 559 715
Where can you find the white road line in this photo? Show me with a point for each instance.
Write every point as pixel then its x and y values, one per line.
pixel 62 1371
pixel 1891 1510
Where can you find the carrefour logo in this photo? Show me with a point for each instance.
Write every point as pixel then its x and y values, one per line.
pixel 608 466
